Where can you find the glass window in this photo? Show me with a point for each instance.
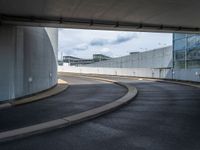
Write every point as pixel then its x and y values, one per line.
pixel 179 64
pixel 198 41
pixel 188 45
pixel 179 36
pixel 180 55
pixel 191 43
pixel 193 64
pixel 180 44
pixel 194 54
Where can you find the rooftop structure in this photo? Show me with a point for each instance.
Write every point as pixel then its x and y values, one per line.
pixel 100 57
pixel 75 61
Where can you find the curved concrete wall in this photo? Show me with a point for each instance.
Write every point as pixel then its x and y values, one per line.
pixel 28 60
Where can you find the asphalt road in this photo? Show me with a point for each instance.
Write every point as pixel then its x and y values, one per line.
pixel 83 94
pixel 164 116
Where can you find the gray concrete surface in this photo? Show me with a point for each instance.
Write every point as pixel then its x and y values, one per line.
pixel 155 58
pixel 28 60
pixel 157 15
pixel 163 116
pixel 177 74
pixel 82 95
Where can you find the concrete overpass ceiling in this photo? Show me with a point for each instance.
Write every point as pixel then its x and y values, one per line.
pixel 160 14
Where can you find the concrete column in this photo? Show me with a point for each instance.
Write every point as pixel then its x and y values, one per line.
pixel 28 60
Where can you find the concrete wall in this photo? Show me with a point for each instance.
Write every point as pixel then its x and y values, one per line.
pixel 28 60
pixel 158 58
pixel 179 74
pixel 154 64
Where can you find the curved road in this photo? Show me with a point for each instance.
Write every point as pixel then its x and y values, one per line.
pixel 164 116
pixel 83 94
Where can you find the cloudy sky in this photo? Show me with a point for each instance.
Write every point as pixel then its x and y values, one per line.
pixel 85 43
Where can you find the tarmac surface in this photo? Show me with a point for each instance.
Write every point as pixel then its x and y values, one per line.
pixel 83 94
pixel 163 116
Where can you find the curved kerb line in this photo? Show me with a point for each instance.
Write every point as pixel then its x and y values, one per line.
pixel 74 119
pixel 60 87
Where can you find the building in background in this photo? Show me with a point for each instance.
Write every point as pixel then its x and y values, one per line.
pixel 180 61
pixel 75 61
pixel 186 49
pixel 100 57
pixel 70 59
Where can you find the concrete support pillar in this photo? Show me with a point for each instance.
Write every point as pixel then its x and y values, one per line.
pixel 28 60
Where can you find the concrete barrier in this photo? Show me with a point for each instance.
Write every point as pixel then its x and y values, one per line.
pixel 175 74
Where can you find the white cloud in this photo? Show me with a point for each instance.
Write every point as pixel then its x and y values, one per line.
pixel 105 49
pixel 81 47
pixel 84 43
pixel 120 38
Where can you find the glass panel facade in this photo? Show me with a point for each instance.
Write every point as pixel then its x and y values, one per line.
pixel 186 50
pixel 179 36
pixel 180 44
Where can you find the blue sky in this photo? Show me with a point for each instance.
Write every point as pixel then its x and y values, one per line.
pixel 85 43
